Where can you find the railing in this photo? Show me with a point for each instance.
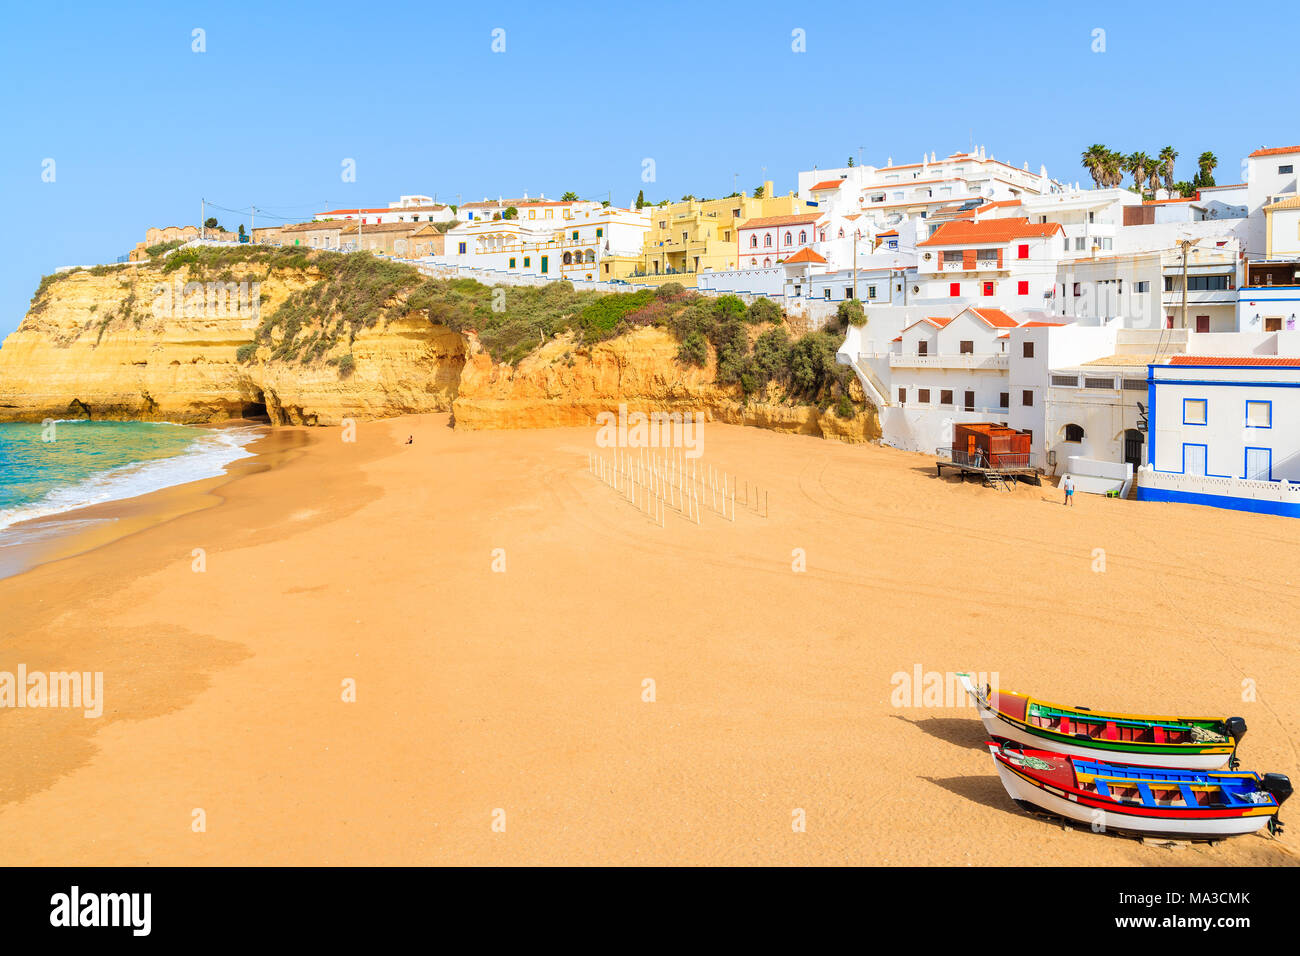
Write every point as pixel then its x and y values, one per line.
pixel 968 360
pixel 997 461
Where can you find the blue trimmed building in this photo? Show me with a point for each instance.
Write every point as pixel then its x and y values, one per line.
pixel 1224 432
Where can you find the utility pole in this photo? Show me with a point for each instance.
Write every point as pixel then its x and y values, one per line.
pixel 1185 244
pixel 203 218
pixel 358 229
pixel 252 222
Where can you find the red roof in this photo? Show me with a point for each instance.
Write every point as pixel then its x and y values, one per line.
pixel 961 232
pixel 892 232
pixel 996 318
pixel 828 184
pixel 791 220
pixel 1235 360
pixel 1043 325
pixel 1276 151
pixel 806 255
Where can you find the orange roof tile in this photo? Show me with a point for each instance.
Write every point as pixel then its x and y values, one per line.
pixel 996 318
pixel 1276 151
pixel 1235 360
pixel 781 220
pixel 827 184
pixel 892 232
pixel 962 232
pixel 1043 325
pixel 806 255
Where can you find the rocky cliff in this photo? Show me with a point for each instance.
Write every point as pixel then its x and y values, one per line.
pixel 564 384
pixel 137 342
pixel 130 343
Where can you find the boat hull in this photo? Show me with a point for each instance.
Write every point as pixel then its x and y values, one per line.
pixel 1189 758
pixel 1103 820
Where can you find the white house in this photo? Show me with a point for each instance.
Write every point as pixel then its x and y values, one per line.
pixel 1225 431
pixel 413 208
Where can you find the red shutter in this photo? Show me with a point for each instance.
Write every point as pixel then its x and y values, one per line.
pixel 999 258
pixel 1023 252
pixel 968 259
pixel 954 289
pixel 1022 288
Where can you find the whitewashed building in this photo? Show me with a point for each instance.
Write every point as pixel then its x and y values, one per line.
pixel 1225 431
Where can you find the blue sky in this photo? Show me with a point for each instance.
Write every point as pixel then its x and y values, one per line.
pixel 140 127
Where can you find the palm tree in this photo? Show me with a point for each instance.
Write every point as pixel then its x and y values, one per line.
pixel 1153 178
pixel 1094 160
pixel 1114 167
pixel 1206 161
pixel 1137 166
pixel 1167 157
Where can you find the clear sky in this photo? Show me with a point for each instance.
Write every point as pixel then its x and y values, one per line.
pixel 140 127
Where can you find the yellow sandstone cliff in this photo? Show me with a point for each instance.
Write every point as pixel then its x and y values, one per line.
pixel 127 344
pixel 124 343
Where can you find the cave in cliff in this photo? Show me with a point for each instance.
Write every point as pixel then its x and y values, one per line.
pixel 255 409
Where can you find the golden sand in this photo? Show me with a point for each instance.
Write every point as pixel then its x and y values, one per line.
pixel 521 690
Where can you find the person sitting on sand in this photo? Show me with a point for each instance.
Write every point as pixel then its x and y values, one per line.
pixel 1067 483
pixel 410 439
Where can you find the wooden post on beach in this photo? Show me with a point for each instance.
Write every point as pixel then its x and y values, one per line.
pixel 733 505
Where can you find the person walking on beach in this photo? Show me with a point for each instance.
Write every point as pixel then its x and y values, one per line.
pixel 1067 483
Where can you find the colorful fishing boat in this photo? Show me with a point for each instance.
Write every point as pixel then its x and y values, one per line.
pixel 1195 743
pixel 1151 801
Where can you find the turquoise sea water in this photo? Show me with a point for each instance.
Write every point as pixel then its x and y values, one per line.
pixel 56 467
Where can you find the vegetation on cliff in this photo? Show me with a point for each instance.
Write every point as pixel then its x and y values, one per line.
pixel 357 291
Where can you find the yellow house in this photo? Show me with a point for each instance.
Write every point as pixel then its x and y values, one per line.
pixel 693 236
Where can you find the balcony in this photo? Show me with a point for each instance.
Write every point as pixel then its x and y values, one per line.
pixel 987 361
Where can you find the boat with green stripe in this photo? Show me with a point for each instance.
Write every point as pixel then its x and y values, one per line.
pixel 1194 743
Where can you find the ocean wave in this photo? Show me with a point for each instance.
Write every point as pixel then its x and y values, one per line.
pixel 206 457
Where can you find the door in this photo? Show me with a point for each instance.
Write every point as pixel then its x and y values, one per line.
pixel 1202 323
pixel 1194 460
pixel 1259 464
pixel 545 263
pixel 970 401
pixel 1133 447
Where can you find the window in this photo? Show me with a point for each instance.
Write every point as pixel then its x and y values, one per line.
pixel 1078 243
pixel 966 347
pixel 788 239
pixel 826 293
pixel 1195 411
pixel 663 224
pixel 1027 398
pixel 1073 433
pixel 1022 287
pixel 954 289
pixel 1259 464
pixel 1207 283
pixel 1028 350
pixel 923 396
pixel 1004 399
pixel 753 242
pixel 1022 251
pixel 1065 381
pixel 923 347
pixel 527 261
pixel 462 248
pixel 1285 170
pixel 902 396
pixel 546 261
pixel 1259 414
pixel 803 237
pixel 871 292
pixel 532 214
pixel 1143 286
pixel 988 288
pixel 945 396
pixel 575 235
pixel 599 233
pixel 512 262
pixel 848 292
pixel 767 240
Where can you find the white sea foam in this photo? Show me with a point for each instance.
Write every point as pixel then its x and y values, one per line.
pixel 207 457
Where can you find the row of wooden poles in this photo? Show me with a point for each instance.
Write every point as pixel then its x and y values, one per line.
pixel 656 481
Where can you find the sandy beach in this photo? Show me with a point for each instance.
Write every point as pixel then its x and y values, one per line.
pixel 484 695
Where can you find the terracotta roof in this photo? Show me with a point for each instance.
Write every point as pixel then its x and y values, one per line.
pixel 781 220
pixel 806 255
pixel 996 318
pixel 368 229
pixel 892 232
pixel 937 321
pixel 316 226
pixel 1276 151
pixel 1292 203
pixel 354 211
pixel 899 339
pixel 827 184
pixel 1205 189
pixel 1043 325
pixel 962 232
pixel 1159 202
pixel 1235 359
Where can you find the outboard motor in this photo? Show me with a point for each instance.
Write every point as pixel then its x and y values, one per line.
pixel 1278 785
pixel 1234 727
